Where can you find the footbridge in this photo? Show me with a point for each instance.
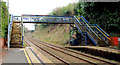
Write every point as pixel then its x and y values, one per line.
pixel 85 32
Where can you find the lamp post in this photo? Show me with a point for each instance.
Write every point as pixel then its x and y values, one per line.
pixel 8 9
pixel 8 25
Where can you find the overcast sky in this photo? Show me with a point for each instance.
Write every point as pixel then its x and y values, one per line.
pixel 39 7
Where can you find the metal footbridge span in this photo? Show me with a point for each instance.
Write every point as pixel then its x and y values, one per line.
pixel 85 32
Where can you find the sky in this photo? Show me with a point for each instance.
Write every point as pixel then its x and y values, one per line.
pixel 35 7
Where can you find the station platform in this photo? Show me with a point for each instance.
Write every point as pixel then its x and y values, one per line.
pixel 24 56
pixel 107 49
pixel 105 52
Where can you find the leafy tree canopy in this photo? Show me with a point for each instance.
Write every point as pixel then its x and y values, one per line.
pixel 3 19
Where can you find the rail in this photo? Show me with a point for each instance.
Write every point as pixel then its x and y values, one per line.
pixel 61 52
pixel 73 51
pixel 68 50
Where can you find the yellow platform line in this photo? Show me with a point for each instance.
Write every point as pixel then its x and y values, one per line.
pixel 28 59
pixel 34 59
pixel 46 60
pixel 40 56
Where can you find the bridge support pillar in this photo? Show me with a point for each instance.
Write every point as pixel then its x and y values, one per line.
pixel 86 39
pixel 22 31
pixel 74 35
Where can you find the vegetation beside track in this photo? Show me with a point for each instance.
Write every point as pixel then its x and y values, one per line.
pixel 57 34
pixel 3 19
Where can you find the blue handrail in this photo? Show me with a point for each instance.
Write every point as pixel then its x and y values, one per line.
pixel 9 30
pixel 88 25
pixel 85 20
pixel 77 25
pixel 100 29
pixel 94 25
pixel 88 28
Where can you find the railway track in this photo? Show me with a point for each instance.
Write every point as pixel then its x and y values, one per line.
pixel 50 53
pixel 76 56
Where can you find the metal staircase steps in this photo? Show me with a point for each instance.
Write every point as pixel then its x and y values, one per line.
pixel 94 32
pixel 16 35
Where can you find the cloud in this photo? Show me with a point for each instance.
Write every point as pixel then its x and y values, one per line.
pixel 40 7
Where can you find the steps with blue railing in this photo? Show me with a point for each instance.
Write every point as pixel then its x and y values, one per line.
pixel 99 37
pixel 102 34
pixel 86 28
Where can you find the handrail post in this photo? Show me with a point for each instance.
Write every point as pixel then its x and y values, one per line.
pixel 9 28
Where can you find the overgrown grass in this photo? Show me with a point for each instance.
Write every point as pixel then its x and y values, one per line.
pixel 56 35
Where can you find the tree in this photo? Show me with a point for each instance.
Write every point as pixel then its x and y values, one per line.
pixel 64 11
pixel 4 19
pixel 105 14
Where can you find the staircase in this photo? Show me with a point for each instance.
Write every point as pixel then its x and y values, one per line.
pixel 94 32
pixel 16 35
pixel 102 34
